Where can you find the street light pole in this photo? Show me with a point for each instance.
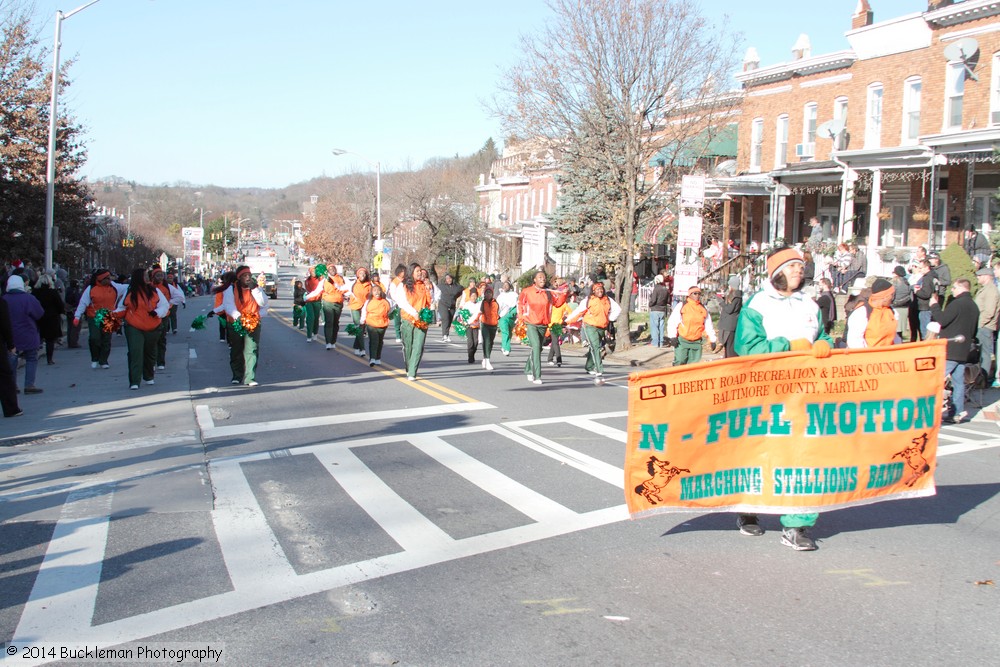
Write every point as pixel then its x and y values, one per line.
pixel 378 188
pixel 50 173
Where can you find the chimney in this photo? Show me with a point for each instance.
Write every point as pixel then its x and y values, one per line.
pixel 802 48
pixel 938 4
pixel 751 60
pixel 863 15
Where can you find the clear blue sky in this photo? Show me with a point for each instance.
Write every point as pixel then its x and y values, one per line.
pixel 256 93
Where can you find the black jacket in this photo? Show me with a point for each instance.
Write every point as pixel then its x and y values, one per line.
pixel 660 298
pixel 959 318
pixel 729 314
pixel 449 295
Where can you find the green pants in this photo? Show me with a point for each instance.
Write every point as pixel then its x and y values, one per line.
pixel 99 341
pixel 375 337
pixel 299 316
pixel 506 327
pixel 243 355
pixel 799 520
pixel 142 347
pixel 359 338
pixel 413 346
pixel 687 352
pixel 397 324
pixel 313 309
pixel 593 336
pixel 489 332
pixel 536 335
pixel 161 345
pixel 331 320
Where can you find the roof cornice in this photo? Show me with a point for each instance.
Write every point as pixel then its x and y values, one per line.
pixel 961 12
pixel 823 63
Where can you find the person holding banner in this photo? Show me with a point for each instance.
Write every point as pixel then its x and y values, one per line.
pixel 780 318
pixel 686 329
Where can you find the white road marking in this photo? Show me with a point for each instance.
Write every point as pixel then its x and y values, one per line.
pixel 599 469
pixel 252 553
pixel 192 354
pixel 962 447
pixel 68 577
pixel 36 456
pixel 329 420
pixel 204 418
pixel 602 429
pixel 411 529
pixel 526 501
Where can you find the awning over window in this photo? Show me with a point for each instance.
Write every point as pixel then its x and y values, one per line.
pixel 718 142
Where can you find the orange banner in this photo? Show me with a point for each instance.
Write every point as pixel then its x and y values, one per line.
pixel 781 433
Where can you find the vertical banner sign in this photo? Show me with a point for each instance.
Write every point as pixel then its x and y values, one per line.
pixel 193 247
pixel 689 224
pixel 785 433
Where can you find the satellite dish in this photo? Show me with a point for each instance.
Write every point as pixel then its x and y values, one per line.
pixel 964 51
pixel 831 128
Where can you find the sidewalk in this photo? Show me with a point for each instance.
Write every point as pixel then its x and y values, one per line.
pixel 88 428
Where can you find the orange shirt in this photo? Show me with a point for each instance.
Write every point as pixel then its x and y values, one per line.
pixel 333 292
pixel 361 292
pixel 377 313
pixel 489 312
pixel 534 305
pixel 418 299
pixel 101 297
pixel 138 315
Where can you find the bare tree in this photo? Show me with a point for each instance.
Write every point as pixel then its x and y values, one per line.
pixel 610 83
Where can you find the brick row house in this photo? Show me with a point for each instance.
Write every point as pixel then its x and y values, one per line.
pixel 892 141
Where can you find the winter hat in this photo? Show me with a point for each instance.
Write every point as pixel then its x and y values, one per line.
pixel 734 282
pixel 781 259
pixel 900 271
pixel 658 279
pixel 15 283
pixel 882 293
pixel 985 271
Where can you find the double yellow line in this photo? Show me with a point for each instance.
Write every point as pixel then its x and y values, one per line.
pixel 440 392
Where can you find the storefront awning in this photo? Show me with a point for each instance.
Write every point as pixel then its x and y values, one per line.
pixel 719 142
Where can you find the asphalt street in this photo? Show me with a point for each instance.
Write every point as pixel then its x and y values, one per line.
pixel 340 515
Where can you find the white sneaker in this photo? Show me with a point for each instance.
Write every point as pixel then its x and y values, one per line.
pixel 536 381
pixel 552 363
pixel 252 383
pixel 359 353
pixel 377 362
pixel 506 353
pixel 483 364
pixel 399 340
pixel 531 378
pixel 133 386
pixel 161 368
pixel 488 365
pixel 150 381
pixel 93 364
pixel 105 366
pixel 329 346
pixel 411 378
pixel 309 339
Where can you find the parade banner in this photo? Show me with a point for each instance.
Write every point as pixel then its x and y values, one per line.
pixel 785 433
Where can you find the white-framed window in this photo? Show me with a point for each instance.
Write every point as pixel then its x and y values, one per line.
pixel 911 110
pixel 954 94
pixel 756 144
pixel 781 141
pixel 807 148
pixel 873 117
pixel 840 113
pixel 995 90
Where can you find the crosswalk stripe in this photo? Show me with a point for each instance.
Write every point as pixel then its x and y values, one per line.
pixel 601 429
pixel 411 529
pixel 599 469
pixel 252 553
pixel 526 501
pixel 327 420
pixel 65 589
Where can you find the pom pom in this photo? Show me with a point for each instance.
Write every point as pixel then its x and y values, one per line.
pixel 320 270
pixel 198 323
pixel 460 328
pixel 556 330
pixel 426 315
pixel 247 324
pixel 352 329
pixel 520 331
pixel 463 316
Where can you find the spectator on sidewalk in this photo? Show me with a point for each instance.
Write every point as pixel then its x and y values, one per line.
pixel 988 302
pixel 72 301
pixel 8 385
pixel 659 300
pixel 50 326
pixel 25 313
pixel 902 296
pixel 959 318
pixel 732 303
